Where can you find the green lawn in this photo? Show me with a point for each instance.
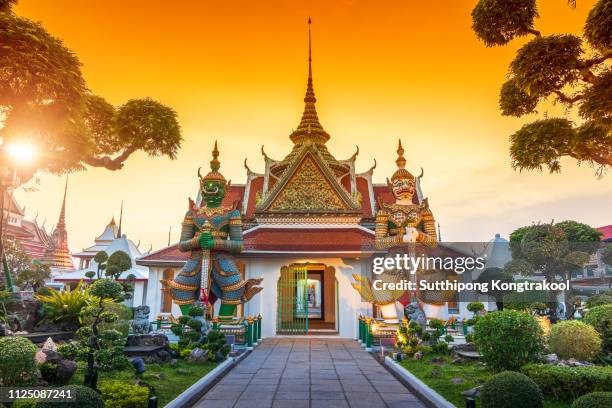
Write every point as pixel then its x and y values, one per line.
pixel 439 376
pixel 168 381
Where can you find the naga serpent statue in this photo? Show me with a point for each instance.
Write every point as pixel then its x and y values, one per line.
pixel 212 232
pixel 401 224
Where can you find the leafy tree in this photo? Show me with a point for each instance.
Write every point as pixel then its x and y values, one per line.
pixel 34 277
pixel 43 95
pixel 104 347
pixel 17 259
pixel 606 255
pixel 495 274
pixel 555 250
pixel 564 68
pixel 101 258
pixel 118 263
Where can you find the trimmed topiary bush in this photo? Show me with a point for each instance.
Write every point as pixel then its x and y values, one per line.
pixel 599 299
pixel 508 339
pixel 574 339
pixel 510 390
pixel 119 394
pixel 17 364
pixel 594 400
pixel 84 398
pixel 568 383
pixel 600 318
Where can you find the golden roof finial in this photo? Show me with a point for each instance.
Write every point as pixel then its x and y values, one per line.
pixel 400 161
pixel 401 172
pixel 310 118
pixel 215 165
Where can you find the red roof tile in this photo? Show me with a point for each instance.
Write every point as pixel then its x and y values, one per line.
pixel 606 231
pixel 309 240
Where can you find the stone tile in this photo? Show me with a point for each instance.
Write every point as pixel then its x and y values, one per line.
pixel 228 388
pixel 396 396
pixel 264 381
pixel 292 387
pixel 333 386
pixel 215 404
pixel 389 386
pixel 354 379
pixel 258 403
pixel 358 387
pixel 329 404
pixel 405 404
pixel 261 388
pixel 303 381
pixel 290 403
pixel 291 395
pixel 367 403
pixel 327 395
pixel 223 395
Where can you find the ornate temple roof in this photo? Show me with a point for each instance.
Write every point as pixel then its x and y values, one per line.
pixel 118 244
pixel 309 132
pixel 57 254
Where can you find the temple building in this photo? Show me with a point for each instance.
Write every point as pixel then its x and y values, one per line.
pixel 110 241
pixel 32 237
pixel 57 254
pixel 308 226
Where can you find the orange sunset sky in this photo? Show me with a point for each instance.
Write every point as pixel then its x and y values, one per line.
pixel 236 71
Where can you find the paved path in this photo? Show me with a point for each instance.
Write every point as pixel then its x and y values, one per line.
pixel 309 373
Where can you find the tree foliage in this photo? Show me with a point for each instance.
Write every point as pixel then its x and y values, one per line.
pixel 554 250
pixel 118 263
pixel 567 69
pixel 45 100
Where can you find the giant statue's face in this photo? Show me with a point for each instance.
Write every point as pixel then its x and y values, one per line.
pixel 213 192
pixel 403 189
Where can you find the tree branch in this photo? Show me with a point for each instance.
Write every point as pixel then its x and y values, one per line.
pixel 564 98
pixel 109 162
pixel 534 32
pixel 595 61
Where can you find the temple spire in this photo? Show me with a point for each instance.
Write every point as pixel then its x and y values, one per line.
pixel 57 254
pixel 309 129
pixel 120 220
pixel 62 217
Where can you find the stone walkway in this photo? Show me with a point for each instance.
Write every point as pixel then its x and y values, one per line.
pixel 309 373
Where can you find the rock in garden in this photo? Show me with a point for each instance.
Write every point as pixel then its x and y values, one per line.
pixel 49 345
pixel 2 330
pixel 65 370
pixel 139 365
pixel 198 355
pixel 552 358
pixel 457 380
pixel 173 362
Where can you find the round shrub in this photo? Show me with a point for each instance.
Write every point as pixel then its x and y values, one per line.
pixel 119 394
pixel 594 400
pixel 568 383
pixel 106 289
pixel 17 364
pixel 574 339
pixel 600 318
pixel 508 339
pixel 509 390
pixel 599 299
pixel 84 398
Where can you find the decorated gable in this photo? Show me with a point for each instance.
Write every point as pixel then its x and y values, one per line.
pixel 308 187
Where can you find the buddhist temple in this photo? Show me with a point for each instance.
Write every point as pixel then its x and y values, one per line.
pixel 308 227
pixel 57 254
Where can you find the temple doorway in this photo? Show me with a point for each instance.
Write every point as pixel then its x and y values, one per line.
pixel 307 300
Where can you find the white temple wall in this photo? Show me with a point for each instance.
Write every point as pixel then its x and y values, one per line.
pixel 265 303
